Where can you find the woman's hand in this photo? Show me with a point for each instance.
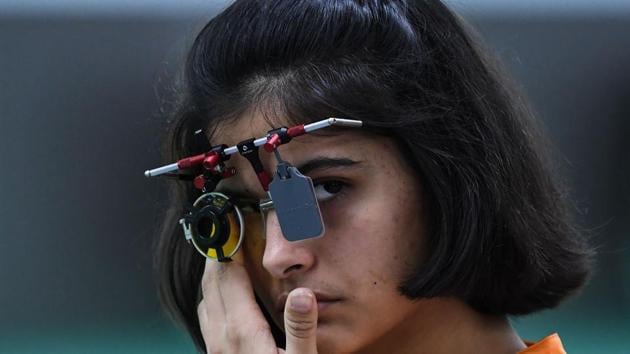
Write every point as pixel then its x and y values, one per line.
pixel 231 321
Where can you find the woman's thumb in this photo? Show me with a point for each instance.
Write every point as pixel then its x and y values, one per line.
pixel 300 322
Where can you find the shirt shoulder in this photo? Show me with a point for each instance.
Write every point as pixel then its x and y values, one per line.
pixel 548 345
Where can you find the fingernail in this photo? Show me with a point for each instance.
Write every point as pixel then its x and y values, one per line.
pixel 302 302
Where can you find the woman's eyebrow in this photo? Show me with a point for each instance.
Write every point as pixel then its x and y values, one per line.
pixel 320 163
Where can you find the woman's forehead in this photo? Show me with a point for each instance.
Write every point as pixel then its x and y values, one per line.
pixel 232 132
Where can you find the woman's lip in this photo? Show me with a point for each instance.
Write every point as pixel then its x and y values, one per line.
pixel 323 301
pixel 323 305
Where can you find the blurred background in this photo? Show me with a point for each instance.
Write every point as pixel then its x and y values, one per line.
pixel 82 84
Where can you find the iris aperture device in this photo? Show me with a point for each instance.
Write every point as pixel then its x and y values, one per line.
pixel 215 224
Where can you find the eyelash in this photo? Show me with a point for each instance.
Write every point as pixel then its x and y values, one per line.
pixel 253 206
pixel 333 195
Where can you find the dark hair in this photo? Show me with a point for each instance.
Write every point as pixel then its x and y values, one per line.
pixel 499 237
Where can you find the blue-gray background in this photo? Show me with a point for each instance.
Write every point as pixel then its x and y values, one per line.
pixel 80 95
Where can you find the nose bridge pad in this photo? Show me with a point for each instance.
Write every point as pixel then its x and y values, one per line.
pixel 266 207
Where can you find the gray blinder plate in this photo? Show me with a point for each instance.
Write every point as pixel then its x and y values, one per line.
pixel 296 205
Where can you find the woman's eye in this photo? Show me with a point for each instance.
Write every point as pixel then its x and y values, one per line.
pixel 328 189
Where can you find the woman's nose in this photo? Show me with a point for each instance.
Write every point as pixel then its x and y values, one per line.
pixel 283 258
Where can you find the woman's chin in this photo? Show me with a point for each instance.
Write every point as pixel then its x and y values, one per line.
pixel 332 339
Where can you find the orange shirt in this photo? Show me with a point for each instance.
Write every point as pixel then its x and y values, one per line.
pixel 548 345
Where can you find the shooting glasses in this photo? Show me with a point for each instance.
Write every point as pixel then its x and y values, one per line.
pixel 215 223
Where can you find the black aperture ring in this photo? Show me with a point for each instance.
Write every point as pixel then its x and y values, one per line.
pixel 211 226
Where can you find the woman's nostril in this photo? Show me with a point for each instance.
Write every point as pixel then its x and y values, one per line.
pixel 293 268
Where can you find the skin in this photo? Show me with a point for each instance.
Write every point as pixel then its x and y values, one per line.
pixel 375 232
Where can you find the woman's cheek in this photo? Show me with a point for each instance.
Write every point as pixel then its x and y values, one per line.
pixel 337 212
pixel 253 248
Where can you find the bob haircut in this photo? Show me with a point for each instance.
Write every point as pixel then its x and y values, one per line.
pixel 499 237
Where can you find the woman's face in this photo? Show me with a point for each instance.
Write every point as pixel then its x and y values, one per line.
pixel 371 203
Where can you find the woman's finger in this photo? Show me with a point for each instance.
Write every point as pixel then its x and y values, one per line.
pixel 204 325
pixel 300 322
pixel 230 283
pixel 234 321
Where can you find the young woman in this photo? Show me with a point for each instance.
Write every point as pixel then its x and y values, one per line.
pixel 441 214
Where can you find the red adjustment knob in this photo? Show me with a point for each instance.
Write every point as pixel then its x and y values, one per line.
pixel 272 143
pixel 199 182
pixel 211 161
pixel 296 131
pixel 191 161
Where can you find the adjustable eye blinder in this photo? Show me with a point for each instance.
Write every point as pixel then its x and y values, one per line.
pixel 215 226
pixel 217 223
